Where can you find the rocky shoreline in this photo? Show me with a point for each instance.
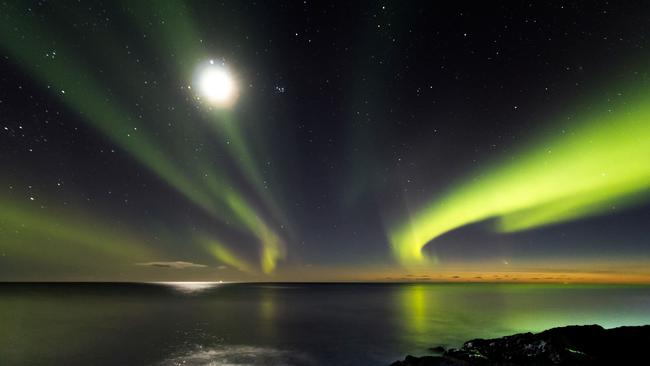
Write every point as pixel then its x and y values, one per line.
pixel 570 345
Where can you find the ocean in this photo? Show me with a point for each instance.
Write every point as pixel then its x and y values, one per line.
pixel 165 324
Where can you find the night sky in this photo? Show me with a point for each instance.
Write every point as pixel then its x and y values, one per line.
pixel 378 141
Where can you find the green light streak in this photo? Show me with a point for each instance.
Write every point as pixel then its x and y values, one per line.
pixel 604 162
pixel 224 255
pixel 272 248
pixel 272 251
pixel 239 151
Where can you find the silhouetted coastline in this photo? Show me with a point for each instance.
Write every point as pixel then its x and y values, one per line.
pixel 570 345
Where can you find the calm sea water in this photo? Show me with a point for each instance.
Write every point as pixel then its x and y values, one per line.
pixel 285 324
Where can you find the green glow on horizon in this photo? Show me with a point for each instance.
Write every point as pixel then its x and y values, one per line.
pixel 69 237
pixel 600 166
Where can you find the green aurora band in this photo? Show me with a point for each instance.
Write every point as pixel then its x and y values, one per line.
pixel 601 165
pixel 224 255
pixel 69 236
pixel 72 80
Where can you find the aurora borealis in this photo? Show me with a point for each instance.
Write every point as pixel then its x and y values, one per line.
pixel 600 166
pixel 300 141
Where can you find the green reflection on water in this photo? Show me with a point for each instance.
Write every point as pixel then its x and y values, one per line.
pixel 415 304
pixel 539 307
pixel 268 312
pixel 443 314
pixel 449 314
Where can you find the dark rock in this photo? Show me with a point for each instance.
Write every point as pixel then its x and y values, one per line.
pixel 572 345
pixel 437 349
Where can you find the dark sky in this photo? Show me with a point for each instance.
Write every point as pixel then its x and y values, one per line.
pixel 351 118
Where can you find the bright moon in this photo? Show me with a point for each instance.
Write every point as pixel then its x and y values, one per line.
pixel 216 85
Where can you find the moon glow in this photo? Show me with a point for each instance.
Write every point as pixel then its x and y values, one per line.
pixel 216 85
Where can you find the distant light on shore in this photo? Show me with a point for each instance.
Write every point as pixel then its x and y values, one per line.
pixel 190 287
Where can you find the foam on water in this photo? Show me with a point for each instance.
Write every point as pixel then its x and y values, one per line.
pixel 237 355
